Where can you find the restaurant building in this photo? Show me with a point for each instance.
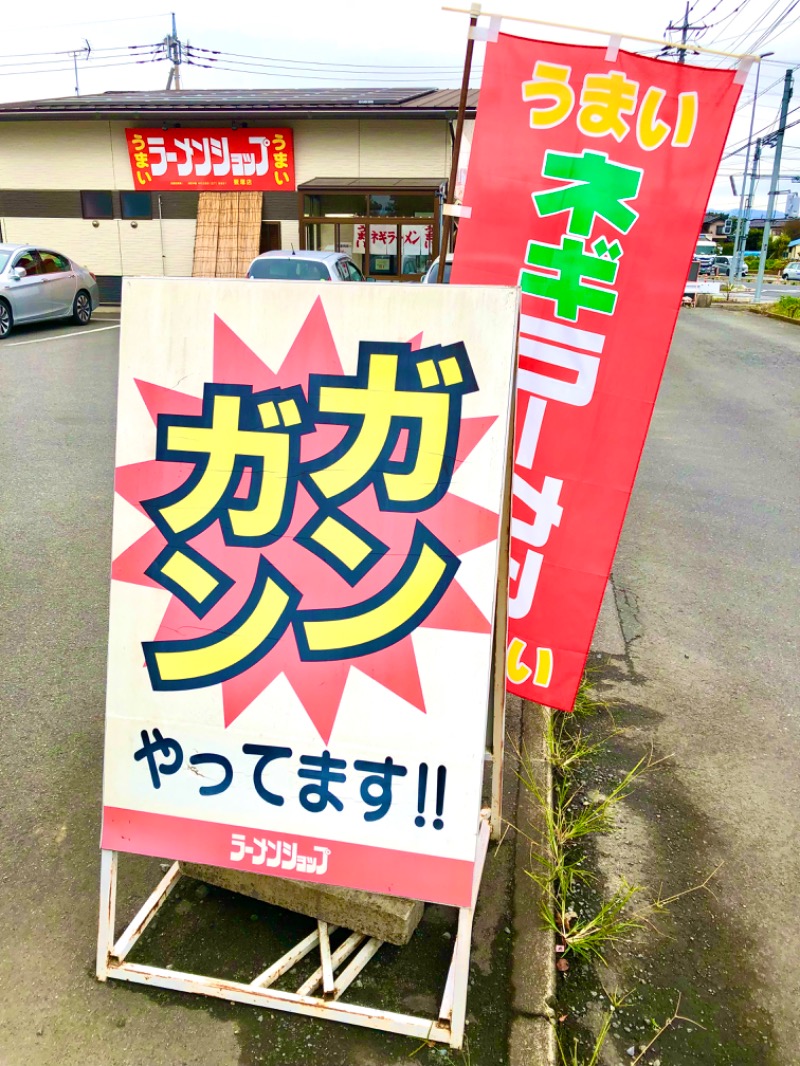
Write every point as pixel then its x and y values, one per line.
pixel 186 182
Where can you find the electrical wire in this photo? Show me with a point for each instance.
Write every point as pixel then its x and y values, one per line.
pixel 361 80
pixel 87 69
pixel 69 56
pixel 69 51
pixel 333 67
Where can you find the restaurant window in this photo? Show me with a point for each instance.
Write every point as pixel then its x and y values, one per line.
pixel 389 234
pixel 136 205
pixel 394 205
pixel 335 205
pixel 97 205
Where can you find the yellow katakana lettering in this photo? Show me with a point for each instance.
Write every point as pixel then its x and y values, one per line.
pixel 418 392
pixel 237 431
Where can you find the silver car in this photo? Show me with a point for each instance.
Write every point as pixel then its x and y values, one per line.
pixel 304 266
pixel 37 284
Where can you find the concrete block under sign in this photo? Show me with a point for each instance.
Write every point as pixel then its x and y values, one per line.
pixel 388 918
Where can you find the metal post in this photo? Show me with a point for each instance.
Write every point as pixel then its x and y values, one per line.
pixel 176 53
pixel 741 229
pixel 451 185
pixel 684 34
pixel 777 139
pixel 748 204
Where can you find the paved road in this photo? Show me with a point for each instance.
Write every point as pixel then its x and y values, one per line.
pixel 706 585
pixel 57 401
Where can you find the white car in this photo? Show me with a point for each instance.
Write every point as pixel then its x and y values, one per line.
pixel 791 272
pixel 37 284
pixel 304 266
pixel 431 275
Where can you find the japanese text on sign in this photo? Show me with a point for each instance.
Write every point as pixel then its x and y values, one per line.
pixel 212 159
pixel 612 154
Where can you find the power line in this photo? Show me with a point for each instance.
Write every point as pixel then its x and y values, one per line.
pixel 362 80
pixel 93 66
pixel 333 67
pixel 69 51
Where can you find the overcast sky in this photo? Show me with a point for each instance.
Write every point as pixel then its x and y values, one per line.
pixel 413 43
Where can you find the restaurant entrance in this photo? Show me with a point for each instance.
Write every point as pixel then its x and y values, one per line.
pixel 390 228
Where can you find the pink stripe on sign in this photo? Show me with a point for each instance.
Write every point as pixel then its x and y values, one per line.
pixel 393 873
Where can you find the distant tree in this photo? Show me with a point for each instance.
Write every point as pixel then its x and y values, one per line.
pixel 792 229
pixel 778 247
pixel 754 239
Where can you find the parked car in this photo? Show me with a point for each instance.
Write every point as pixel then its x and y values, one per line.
pixel 723 264
pixel 37 284
pixel 431 275
pixel 791 272
pixel 304 266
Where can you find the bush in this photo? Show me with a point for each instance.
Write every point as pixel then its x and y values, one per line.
pixel 789 306
pixel 775 265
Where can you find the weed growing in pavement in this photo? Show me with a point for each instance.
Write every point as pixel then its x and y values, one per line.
pixel 788 306
pixel 570 813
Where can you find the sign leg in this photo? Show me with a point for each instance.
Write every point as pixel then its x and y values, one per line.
pixel 108 909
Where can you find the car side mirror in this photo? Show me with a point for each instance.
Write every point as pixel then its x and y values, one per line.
pixel 17 273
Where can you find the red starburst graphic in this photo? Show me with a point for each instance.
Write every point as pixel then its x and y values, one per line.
pixel 458 523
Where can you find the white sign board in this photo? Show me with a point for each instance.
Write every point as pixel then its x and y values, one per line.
pixel 309 481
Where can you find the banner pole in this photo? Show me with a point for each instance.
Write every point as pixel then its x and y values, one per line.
pixel 499 695
pixel 462 106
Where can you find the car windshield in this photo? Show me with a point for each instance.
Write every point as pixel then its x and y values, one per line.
pixel 433 274
pixel 292 268
pixel 4 258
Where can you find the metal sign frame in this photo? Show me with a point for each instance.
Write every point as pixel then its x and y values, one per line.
pixel 318 996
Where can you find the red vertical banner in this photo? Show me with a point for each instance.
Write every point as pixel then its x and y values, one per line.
pixel 589 176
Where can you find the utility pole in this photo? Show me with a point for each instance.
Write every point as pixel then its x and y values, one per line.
pixel 745 210
pixel 79 52
pixel 742 224
pixel 776 139
pixel 174 50
pixel 685 27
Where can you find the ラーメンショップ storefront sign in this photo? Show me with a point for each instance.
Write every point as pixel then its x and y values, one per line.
pixel 212 159
pixel 309 482
pixel 589 174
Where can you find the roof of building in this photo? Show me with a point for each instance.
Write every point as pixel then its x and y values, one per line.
pixel 368 184
pixel 794 244
pixel 245 103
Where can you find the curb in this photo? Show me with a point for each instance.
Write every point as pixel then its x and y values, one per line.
pixel 771 314
pixel 533 974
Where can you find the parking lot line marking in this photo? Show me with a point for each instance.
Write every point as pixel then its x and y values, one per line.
pixel 60 337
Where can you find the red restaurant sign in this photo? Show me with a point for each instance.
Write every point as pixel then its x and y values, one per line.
pixel 589 175
pixel 212 160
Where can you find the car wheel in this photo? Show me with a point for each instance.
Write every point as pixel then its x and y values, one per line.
pixel 82 308
pixel 6 319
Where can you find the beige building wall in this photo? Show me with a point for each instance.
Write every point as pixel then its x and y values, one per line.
pixel 113 246
pixel 64 155
pixel 74 155
pixel 94 155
